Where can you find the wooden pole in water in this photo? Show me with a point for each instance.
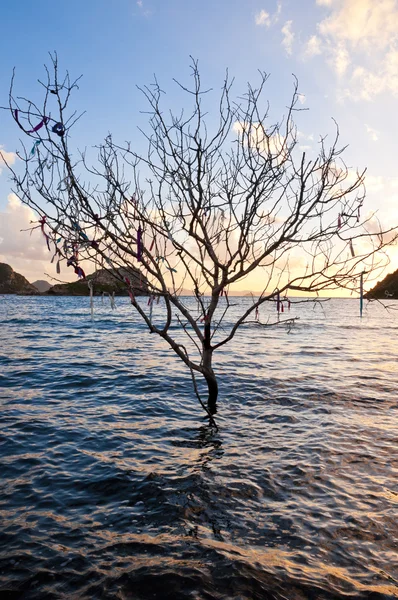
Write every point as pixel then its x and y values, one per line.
pixel 361 295
pixel 90 287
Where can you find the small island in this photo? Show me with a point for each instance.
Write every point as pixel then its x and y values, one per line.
pixel 387 288
pixel 103 281
pixel 14 283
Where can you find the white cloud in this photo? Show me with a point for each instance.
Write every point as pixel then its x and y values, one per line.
pixel 16 243
pixel 263 18
pixel 26 251
pixel 359 41
pixel 340 59
pixel 288 37
pixel 6 157
pixel 366 83
pixel 364 23
pixel 379 183
pixel 143 11
pixel 305 136
pixel 313 47
pixel 373 133
pixel 374 183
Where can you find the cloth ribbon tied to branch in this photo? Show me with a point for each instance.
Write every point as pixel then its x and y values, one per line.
pixel 77 228
pixel 139 244
pixel 168 229
pixel 79 272
pixel 42 222
pixel 151 301
pixel 110 263
pixel 44 121
pixel 129 290
pixel 72 262
pixel 37 142
pixel 59 129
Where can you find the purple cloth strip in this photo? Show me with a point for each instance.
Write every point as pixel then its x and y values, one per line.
pixel 44 121
pixel 139 243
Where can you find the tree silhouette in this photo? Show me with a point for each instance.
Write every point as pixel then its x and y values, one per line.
pixel 218 203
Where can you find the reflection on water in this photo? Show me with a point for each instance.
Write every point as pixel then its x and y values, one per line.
pixel 114 486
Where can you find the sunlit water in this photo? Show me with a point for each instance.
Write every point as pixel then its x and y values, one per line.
pixel 115 486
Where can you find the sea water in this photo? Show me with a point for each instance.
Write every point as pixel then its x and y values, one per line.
pixel 114 485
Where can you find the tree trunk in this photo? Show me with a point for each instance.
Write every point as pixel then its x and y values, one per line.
pixel 211 380
pixel 212 386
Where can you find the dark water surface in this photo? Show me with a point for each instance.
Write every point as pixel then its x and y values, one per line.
pixel 114 486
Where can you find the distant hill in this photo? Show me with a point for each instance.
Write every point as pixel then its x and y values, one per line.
pixel 387 288
pixel 41 285
pixel 14 283
pixel 103 281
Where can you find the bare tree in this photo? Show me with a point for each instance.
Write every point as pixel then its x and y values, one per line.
pixel 217 204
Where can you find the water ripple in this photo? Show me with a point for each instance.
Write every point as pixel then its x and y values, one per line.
pixel 113 485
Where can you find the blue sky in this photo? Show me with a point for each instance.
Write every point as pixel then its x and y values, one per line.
pixel 344 53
